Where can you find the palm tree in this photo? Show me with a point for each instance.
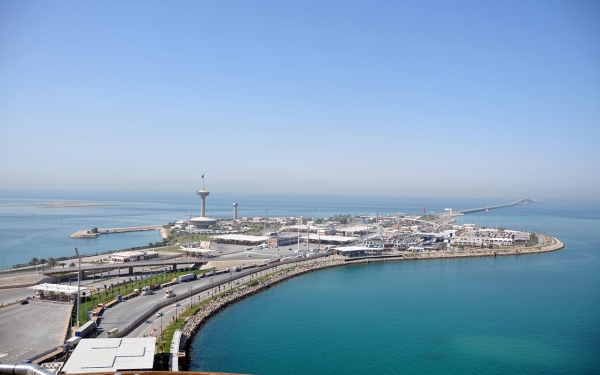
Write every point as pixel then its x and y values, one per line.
pixel 63 264
pixel 72 264
pixel 52 262
pixel 42 262
pixel 34 261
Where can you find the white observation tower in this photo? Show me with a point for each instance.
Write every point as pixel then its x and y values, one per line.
pixel 202 221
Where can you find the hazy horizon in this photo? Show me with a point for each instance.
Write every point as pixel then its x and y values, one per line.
pixel 46 194
pixel 426 99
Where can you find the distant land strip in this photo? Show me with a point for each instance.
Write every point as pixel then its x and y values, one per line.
pixel 71 204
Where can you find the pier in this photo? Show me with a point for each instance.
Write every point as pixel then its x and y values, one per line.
pixel 89 234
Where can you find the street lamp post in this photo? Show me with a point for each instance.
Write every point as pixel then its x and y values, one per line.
pixel 78 286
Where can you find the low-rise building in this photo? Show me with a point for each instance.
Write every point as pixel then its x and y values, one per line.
pixel 132 256
pixel 357 251
pixel 282 241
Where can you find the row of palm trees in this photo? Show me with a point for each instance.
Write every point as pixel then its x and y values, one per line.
pixel 50 262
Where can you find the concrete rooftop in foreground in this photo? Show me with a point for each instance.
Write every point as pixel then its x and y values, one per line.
pixel 109 355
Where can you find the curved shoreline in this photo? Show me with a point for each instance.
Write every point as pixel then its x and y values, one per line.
pixel 203 315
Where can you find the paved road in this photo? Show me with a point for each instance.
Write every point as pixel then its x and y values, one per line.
pixel 11 295
pixel 124 313
pixel 27 330
pixel 153 324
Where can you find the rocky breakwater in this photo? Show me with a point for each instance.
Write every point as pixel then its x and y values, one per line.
pixel 195 322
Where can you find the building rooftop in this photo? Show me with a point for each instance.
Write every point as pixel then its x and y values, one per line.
pixel 110 355
pixel 66 289
pixel 242 238
pixel 327 238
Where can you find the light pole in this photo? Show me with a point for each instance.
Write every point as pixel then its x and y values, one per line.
pixel 160 314
pixel 78 286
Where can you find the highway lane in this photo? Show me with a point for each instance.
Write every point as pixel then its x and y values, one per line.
pixel 12 295
pixel 152 326
pixel 126 312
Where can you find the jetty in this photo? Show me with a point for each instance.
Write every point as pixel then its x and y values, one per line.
pixel 89 234
pixel 487 208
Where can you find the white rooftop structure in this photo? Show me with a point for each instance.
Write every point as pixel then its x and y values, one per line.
pixel 202 221
pixel 326 238
pixel 349 249
pixel 110 355
pixel 55 288
pixel 241 238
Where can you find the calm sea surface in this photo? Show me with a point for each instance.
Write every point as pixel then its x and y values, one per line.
pixel 529 314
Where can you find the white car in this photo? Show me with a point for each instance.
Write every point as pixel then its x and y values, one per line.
pixel 177 304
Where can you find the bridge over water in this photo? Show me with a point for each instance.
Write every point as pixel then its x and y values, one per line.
pixel 472 210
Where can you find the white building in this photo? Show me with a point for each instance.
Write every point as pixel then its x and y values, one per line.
pixel 132 256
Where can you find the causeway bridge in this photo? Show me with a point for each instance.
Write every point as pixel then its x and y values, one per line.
pixel 487 208
pixel 92 269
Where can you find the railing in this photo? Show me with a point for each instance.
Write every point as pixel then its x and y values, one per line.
pixel 174 358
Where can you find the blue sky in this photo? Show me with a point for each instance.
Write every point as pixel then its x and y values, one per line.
pixel 419 98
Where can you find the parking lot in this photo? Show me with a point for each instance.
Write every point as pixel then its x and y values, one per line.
pixel 27 330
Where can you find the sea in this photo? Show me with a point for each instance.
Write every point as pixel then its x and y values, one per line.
pixel 527 314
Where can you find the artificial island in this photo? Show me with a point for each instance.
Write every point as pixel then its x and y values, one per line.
pixel 152 301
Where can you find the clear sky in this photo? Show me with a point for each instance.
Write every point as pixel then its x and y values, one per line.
pixel 442 98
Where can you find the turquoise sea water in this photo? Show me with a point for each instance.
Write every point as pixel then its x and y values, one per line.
pixel 528 314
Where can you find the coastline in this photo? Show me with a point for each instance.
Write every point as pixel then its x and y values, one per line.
pixel 204 314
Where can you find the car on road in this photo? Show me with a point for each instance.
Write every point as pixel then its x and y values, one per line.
pixel 237 282
pixel 159 314
pixel 177 304
pixel 24 302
